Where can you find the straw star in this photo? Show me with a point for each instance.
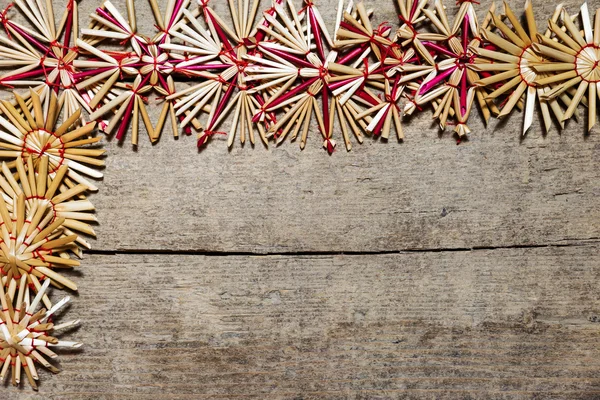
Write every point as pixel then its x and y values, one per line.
pixel 33 132
pixel 223 85
pixel 26 332
pixel 514 67
pixel 151 68
pixel 293 68
pixel 44 53
pixel 451 87
pixel 33 239
pixel 55 194
pixel 575 58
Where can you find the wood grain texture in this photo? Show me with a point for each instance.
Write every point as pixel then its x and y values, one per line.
pixel 424 194
pixel 494 190
pixel 517 318
pixel 514 323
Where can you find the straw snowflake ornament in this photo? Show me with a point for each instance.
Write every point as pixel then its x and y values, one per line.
pixel 150 67
pixel 43 52
pixel 43 192
pixel 35 242
pixel 294 66
pixel 452 85
pixel 222 69
pixel 26 332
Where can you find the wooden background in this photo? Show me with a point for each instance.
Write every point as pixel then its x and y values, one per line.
pixel 420 269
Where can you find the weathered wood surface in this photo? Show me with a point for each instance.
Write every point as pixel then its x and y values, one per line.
pixel 426 193
pixel 508 323
pixel 517 318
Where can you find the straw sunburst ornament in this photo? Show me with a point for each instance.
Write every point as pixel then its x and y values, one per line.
pixel 35 242
pixel 36 132
pixel 576 58
pixel 515 65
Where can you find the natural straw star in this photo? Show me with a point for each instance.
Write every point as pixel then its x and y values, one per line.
pixel 33 239
pixel 295 66
pixel 221 65
pixel 26 333
pixel 126 79
pixel 52 193
pixel 35 132
pixel 514 66
pixel 575 61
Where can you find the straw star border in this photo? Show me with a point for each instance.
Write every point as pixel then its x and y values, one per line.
pixel 276 68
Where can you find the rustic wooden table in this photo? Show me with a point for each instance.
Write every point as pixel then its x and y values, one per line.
pixel 414 270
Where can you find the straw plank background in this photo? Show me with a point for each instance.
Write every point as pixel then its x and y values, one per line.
pixel 413 270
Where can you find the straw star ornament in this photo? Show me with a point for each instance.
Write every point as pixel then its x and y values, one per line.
pixel 576 58
pixel 44 53
pixel 150 67
pixel 515 66
pixel 34 240
pixel 26 333
pixel 294 65
pixel 36 132
pixel 451 87
pixel 222 68
pixel 53 195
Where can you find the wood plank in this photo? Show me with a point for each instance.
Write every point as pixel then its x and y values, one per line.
pixel 426 193
pixel 494 190
pixel 511 323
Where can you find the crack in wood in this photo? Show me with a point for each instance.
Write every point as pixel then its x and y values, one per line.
pixel 213 253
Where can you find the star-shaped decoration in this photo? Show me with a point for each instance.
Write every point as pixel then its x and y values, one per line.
pixel 514 66
pixel 32 129
pixel 27 334
pixel 574 60
pixel 44 53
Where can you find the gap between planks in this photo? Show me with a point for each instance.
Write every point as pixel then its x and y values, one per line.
pixel 573 243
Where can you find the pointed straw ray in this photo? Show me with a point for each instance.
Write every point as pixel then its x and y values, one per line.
pixel 43 191
pixel 36 132
pixel 575 61
pixel 33 242
pixel 28 333
pixel 513 66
